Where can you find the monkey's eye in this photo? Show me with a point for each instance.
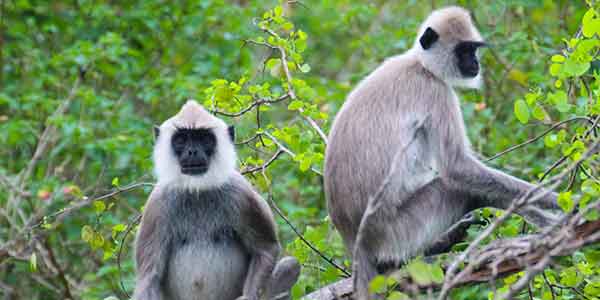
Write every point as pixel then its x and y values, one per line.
pixel 208 140
pixel 179 140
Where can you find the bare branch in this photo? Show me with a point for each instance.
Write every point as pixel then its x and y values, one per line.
pixel 532 140
pixel 252 105
pixel 263 166
pixel 585 234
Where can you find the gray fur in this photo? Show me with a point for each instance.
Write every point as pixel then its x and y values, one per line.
pixel 367 132
pixel 209 239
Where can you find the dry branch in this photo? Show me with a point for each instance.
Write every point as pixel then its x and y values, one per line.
pixel 585 234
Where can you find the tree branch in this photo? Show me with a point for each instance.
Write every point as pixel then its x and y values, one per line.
pixel 585 234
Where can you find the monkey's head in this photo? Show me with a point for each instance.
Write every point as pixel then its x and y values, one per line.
pixel 194 149
pixel 447 46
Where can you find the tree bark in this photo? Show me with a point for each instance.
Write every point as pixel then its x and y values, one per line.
pixel 584 234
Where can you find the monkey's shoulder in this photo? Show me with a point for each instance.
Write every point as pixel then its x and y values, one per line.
pixel 226 200
pixel 400 84
pixel 403 69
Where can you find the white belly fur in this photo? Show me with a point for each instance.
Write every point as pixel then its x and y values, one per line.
pixel 199 272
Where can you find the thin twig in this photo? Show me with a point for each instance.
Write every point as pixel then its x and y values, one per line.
pixel 129 228
pixel 251 106
pixel 298 234
pixel 291 91
pixel 532 140
pixel 263 166
pixel 288 151
pixel 45 138
pixel 87 201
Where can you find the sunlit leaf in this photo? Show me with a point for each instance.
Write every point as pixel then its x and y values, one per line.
pixel 522 111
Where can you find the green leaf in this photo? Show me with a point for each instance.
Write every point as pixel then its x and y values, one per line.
pixel 437 274
pixel 560 100
pixel 522 111
pixel 108 253
pixel 565 201
pixel 87 233
pixel 575 68
pixel 305 68
pixel 287 26
pixel 591 188
pixel 558 58
pixel 538 112
pixel 395 295
pixel 556 70
pixel 590 24
pixel 569 277
pixel 558 83
pixel 97 241
pixel 295 105
pixel 273 62
pixel 33 262
pixel 99 206
pixel 278 11
pixel 551 140
pixel 592 289
pixel 378 284
pixel 115 182
pixel 305 164
pixel 419 271
pixel 118 228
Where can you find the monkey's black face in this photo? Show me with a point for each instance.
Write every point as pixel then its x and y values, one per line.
pixel 466 55
pixel 194 149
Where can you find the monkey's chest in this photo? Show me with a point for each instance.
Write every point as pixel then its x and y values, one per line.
pixel 208 260
pixel 213 266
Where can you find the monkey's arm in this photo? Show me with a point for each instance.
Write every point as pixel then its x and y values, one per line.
pixel 489 187
pixel 152 250
pixel 260 238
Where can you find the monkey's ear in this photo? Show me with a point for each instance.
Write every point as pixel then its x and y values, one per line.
pixel 428 38
pixel 231 131
pixel 156 132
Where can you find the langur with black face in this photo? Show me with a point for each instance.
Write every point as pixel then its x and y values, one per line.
pixel 405 118
pixel 205 233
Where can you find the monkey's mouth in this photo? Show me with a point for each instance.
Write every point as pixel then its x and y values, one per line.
pixel 194 169
pixel 470 72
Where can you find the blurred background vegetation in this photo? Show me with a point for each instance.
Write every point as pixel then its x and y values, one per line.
pixel 83 81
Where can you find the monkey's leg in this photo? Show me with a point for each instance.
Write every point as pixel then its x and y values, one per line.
pixel 488 187
pixel 283 278
pixel 257 278
pixel 413 169
pixel 148 288
pixel 364 271
pixel 397 232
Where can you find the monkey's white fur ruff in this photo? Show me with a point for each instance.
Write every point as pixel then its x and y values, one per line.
pixel 166 167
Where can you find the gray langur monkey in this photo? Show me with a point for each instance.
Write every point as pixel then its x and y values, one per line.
pixel 408 104
pixel 205 232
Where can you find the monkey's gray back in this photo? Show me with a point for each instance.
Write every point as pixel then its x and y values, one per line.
pixel 204 234
pixel 370 128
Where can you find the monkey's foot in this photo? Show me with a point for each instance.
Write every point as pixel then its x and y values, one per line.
pixel 283 278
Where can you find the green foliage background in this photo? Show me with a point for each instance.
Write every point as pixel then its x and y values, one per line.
pixel 122 66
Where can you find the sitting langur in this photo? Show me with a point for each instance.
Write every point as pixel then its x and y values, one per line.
pixel 406 114
pixel 205 233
